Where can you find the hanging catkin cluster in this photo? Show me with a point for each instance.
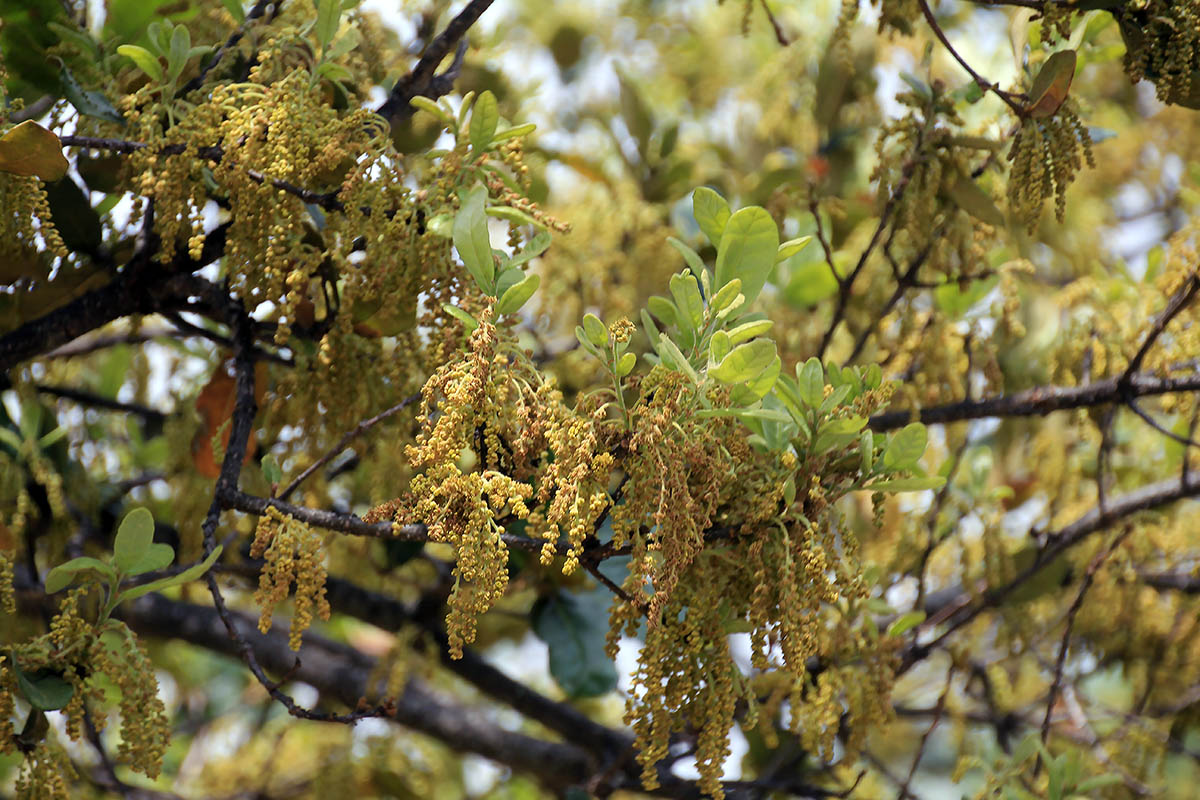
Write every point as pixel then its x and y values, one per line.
pixel 293 554
pixel 1046 154
pixel 1162 40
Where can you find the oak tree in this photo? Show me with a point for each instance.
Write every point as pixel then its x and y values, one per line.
pixel 748 399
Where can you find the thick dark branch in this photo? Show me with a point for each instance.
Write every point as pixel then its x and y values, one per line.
pixel 341 673
pixel 142 288
pixel 422 81
pixel 349 523
pixel 1039 401
pixel 93 400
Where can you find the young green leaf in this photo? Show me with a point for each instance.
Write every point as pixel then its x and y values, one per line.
pixel 664 309
pixel 747 251
pixel 719 346
pixel 516 296
pixel 514 132
pixel 469 322
pixel 133 539
pixel 597 334
pixel 507 279
pixel 145 60
pixel 329 13
pixel 271 470
pixel 625 364
pixel 537 245
pixel 745 362
pixel 748 330
pixel 344 44
pixel 791 247
pixel 177 52
pixel 687 299
pixel 672 358
pixel 157 556
pixel 190 574
pixel 727 294
pixel 484 118
pixel 905 448
pixel 810 380
pixel 66 574
pixel 711 213
pixel 905 623
pixel 472 242
pixel 689 255
pixel 425 104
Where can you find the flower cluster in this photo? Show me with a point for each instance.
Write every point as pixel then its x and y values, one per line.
pixel 292 553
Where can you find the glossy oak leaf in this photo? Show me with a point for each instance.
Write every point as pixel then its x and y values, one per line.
pixel 215 405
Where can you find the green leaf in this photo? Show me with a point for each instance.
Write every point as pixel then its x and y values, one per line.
pixel 133 539
pixel 664 309
pixel 791 247
pixel 747 251
pixel 866 448
pixel 1052 84
pixel 345 43
pixel 66 574
pixel 597 334
pixel 271 470
pixel 177 52
pixel 719 346
pixel 686 292
pixel 745 362
pixel 190 574
pixel 810 380
pixel 689 255
pixel 967 195
pixel 45 690
pixel 507 279
pixel 728 293
pixel 537 245
pixel 574 627
pixel 516 296
pixel 905 623
pixel 905 448
pixel 329 13
pixel 837 433
pixel 711 213
pixel 90 103
pixel 672 358
pixel 472 242
pixel 425 104
pixel 625 364
pixel 146 61
pixel 762 383
pixel 748 330
pixel 469 322
pixel 918 484
pixel 512 133
pixel 513 215
pixel 157 556
pixel 234 7
pixel 484 119
pixel 809 284
pixel 73 215
pixel 334 72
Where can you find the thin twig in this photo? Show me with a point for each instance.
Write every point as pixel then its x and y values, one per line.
pixel 358 430
pixel 982 82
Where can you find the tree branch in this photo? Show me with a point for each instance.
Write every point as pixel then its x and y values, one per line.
pixel 423 81
pixel 1039 401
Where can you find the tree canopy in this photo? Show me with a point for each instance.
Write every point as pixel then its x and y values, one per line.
pixel 726 399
